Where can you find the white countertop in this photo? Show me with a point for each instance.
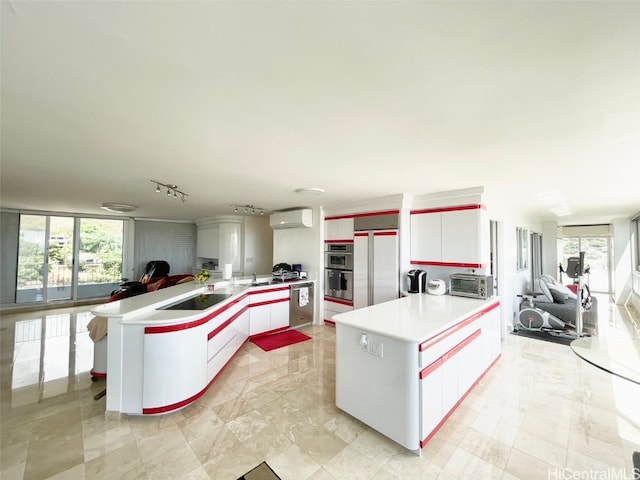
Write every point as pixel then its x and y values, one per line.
pixel 144 308
pixel 414 318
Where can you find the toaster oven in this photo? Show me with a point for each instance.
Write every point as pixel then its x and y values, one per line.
pixel 472 286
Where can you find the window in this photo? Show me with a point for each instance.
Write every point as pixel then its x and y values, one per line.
pixel 523 249
pixel 67 257
pixel 635 241
pixel 536 256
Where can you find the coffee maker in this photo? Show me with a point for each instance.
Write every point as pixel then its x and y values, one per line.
pixel 417 281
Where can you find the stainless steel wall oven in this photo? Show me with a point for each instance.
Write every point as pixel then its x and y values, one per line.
pixel 338 272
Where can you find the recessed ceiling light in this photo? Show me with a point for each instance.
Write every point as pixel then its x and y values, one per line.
pixel 118 207
pixel 309 191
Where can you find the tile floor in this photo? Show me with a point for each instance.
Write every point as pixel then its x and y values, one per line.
pixel 540 413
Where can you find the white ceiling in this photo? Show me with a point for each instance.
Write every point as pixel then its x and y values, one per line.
pixel 243 102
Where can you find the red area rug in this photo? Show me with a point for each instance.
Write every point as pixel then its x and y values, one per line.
pixel 282 339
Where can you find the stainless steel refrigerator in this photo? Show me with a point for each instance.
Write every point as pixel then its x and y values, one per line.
pixel 376 268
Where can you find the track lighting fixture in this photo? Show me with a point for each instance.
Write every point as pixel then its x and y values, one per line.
pixel 172 190
pixel 248 209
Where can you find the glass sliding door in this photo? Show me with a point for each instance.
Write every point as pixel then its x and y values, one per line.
pixel 100 257
pixel 597 253
pixel 63 258
pixel 60 259
pixel 32 262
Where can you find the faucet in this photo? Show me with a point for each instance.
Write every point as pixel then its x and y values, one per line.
pixel 254 277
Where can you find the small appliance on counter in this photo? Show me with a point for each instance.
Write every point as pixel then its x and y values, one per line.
pixel 417 281
pixel 437 286
pixel 297 267
pixel 283 272
pixel 472 286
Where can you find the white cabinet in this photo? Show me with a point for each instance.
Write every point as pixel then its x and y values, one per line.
pixel 259 319
pixel 338 228
pixel 431 395
pixel 229 245
pixel 462 236
pixel 333 307
pixel 426 236
pixel 457 359
pixel 191 356
pixel 269 310
pixel 455 236
pixel 221 239
pixel 207 243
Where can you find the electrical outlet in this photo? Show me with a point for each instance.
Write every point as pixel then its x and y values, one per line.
pixel 375 349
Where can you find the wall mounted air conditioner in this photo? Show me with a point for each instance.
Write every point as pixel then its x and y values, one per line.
pixel 292 219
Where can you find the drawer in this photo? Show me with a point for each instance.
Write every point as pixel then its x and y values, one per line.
pixel 269 295
pixel 438 345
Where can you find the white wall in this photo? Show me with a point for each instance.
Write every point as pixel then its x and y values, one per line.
pixel 304 246
pixel 550 249
pixel 622 259
pixel 258 245
pixel 512 282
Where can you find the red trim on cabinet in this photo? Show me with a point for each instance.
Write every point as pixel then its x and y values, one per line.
pixel 366 214
pixel 269 332
pixel 350 240
pixel 269 302
pixel 374 214
pixel 330 322
pixel 341 302
pixel 191 399
pixel 226 323
pixel 455 350
pixel 425 372
pixel 449 264
pixel 390 233
pixel 361 234
pixel 194 323
pixel 463 323
pixel 455 208
pixel 269 290
pixel 338 217
pixel 450 412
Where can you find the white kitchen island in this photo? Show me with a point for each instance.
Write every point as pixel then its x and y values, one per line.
pixel 161 359
pixel 403 366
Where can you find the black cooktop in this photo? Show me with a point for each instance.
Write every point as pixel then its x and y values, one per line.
pixel 199 302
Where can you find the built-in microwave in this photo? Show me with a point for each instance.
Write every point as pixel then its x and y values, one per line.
pixel 472 286
pixel 339 255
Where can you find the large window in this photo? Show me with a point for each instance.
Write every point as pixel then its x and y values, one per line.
pixel 598 254
pixel 68 258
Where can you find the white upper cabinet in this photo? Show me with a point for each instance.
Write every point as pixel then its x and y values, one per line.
pixel 455 236
pixel 338 228
pixel 207 242
pixel 426 233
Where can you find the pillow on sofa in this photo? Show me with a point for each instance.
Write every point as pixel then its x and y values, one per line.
pixel 544 287
pixel 558 297
pixel 564 290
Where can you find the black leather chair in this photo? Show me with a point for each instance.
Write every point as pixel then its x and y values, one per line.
pixel 155 269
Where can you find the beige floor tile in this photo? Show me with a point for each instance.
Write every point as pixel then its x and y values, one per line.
pixel 350 463
pixel 538 408
pixel 293 464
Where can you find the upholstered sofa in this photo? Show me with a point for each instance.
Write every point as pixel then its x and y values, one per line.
pixel 561 302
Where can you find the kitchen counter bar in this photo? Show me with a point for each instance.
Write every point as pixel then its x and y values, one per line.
pixel 160 360
pixel 403 366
